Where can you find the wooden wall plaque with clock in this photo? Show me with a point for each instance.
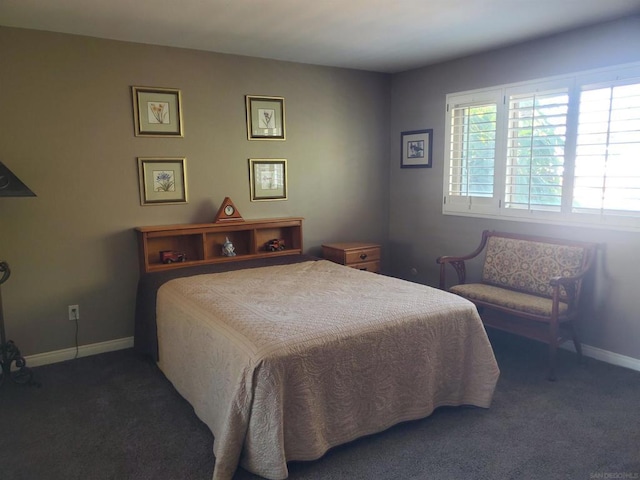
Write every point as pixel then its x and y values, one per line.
pixel 227 212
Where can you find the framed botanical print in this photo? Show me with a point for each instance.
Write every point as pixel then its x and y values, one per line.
pixel 162 180
pixel 265 118
pixel 157 112
pixel 268 179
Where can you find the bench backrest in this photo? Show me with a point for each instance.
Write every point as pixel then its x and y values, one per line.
pixel 527 264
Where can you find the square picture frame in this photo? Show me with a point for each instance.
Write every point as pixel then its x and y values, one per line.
pixel 416 148
pixel 268 179
pixel 163 181
pixel 266 118
pixel 157 112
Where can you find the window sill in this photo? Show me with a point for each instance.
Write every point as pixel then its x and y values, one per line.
pixel 623 224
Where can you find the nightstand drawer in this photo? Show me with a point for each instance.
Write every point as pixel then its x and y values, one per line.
pixel 367 266
pixel 361 255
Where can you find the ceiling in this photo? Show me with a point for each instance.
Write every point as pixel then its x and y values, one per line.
pixel 374 35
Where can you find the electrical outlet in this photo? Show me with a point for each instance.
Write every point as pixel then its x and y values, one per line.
pixel 74 312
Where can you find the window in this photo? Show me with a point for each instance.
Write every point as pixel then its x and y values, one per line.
pixel 563 149
pixel 473 141
pixel 607 164
pixel 536 140
pixel 472 154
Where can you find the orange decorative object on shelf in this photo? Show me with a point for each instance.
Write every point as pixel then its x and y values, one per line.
pixel 170 256
pixel 274 245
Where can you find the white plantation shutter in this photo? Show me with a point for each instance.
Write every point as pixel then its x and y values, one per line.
pixel 607 165
pixel 558 150
pixel 471 152
pixel 536 139
pixel 473 144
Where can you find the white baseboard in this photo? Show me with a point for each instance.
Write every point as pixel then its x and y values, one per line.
pixel 83 351
pixel 122 343
pixel 606 356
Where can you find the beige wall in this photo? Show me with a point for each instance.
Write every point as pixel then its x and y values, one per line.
pixel 66 129
pixel 418 231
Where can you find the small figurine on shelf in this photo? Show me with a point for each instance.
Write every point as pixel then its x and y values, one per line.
pixel 227 248
pixel 170 256
pixel 274 245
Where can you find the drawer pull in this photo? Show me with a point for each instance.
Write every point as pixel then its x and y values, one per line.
pixel 364 268
pixel 363 256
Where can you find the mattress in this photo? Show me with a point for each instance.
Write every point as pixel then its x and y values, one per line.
pixel 284 362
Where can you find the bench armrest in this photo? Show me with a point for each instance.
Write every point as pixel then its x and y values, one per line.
pixel 571 286
pixel 458 263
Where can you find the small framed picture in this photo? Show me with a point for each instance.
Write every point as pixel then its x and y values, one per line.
pixel 157 112
pixel 162 180
pixel 415 148
pixel 268 179
pixel 265 118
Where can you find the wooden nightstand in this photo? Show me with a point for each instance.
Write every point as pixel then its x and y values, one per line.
pixel 360 255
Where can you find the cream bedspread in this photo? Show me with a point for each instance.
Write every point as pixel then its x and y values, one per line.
pixel 284 362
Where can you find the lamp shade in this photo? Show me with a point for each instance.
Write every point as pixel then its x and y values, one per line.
pixel 12 186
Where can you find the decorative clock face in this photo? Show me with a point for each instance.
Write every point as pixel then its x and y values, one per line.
pixel 229 210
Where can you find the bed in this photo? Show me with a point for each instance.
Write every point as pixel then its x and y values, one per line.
pixel 285 358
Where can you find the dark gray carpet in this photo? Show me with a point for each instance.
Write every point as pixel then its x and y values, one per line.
pixel 114 416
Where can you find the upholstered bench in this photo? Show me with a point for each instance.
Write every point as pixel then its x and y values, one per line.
pixel 535 282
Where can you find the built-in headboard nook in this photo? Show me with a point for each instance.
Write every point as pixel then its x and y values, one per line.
pixel 203 243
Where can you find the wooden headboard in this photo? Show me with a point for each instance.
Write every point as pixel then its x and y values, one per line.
pixel 202 243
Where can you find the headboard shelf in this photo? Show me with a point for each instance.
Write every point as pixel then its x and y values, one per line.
pixel 201 243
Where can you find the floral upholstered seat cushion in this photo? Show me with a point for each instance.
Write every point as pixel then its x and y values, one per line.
pixel 522 302
pixel 527 266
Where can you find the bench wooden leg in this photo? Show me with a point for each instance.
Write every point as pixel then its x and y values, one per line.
pixel 553 349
